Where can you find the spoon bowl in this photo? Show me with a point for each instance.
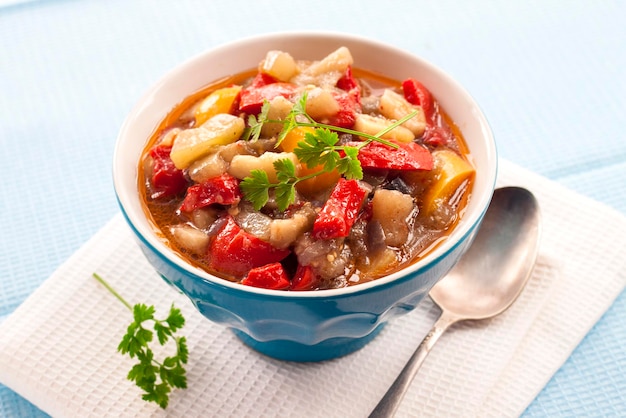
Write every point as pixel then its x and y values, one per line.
pixel 493 272
pixel 485 281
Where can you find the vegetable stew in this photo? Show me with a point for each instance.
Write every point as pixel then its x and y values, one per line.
pixel 306 175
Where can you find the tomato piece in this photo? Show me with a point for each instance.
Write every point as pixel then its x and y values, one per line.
pixel 340 210
pixel 416 93
pixel 252 97
pixel 304 279
pixel 166 180
pixel 270 276
pixel 235 251
pixel 223 190
pixel 408 156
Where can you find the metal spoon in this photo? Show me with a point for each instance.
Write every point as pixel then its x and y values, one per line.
pixel 484 283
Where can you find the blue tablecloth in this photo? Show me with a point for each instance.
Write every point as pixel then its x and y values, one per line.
pixel 548 74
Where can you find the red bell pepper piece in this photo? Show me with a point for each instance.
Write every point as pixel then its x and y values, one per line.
pixel 340 210
pixel 347 82
pixel 269 276
pixel 166 180
pixel 223 190
pixel 408 156
pixel 436 135
pixel 416 93
pixel 252 97
pixel 349 105
pixel 235 251
pixel 262 79
pixel 304 279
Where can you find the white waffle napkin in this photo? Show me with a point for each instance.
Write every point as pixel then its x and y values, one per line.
pixel 58 349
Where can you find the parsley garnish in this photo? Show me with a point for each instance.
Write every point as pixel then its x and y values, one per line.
pixel 156 378
pixel 318 148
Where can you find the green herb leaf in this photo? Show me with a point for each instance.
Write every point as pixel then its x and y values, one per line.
pixel 255 188
pixel 285 195
pixel 317 148
pixel 349 166
pixel 155 378
pixel 255 123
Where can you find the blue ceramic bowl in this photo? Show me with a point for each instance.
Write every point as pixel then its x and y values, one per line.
pixel 310 325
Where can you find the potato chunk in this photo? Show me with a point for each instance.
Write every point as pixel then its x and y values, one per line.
pixel 279 109
pixel 192 144
pixel 242 165
pixel 279 65
pixel 394 106
pixel 338 61
pixel 190 238
pixel 373 125
pixel 206 167
pixel 392 209
pixel 320 103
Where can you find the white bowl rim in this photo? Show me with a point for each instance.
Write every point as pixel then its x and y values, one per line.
pixel 460 232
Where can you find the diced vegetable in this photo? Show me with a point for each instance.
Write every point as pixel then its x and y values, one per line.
pixel 314 185
pixel 284 232
pixel 450 171
pixel 340 210
pixel 336 61
pixel 408 156
pixel 192 144
pixel 279 65
pixel 392 209
pixel 261 79
pixel 382 262
pixel 416 93
pixel 204 217
pixel 347 82
pixel 271 276
pixel 223 190
pixel 279 109
pixel 321 103
pixel 190 238
pixel 206 167
pixel 220 101
pixel 168 139
pixel 373 125
pixel 242 165
pixel 348 108
pixel 304 279
pixel 393 106
pixel 437 136
pixel 234 251
pixel 252 98
pixel 166 180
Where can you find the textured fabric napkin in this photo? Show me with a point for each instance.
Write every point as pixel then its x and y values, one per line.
pixel 58 349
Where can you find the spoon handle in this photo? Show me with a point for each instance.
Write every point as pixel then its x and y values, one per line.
pixel 392 399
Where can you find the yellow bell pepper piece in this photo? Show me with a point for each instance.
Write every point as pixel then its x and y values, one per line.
pixel 219 101
pixel 450 172
pixel 290 142
pixel 315 184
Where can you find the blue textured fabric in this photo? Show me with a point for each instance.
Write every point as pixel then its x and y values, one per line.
pixel 548 74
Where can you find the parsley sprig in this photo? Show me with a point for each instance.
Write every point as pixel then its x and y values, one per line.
pixel 317 149
pixel 156 378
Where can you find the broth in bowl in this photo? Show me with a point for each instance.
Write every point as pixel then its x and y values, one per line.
pixel 306 174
